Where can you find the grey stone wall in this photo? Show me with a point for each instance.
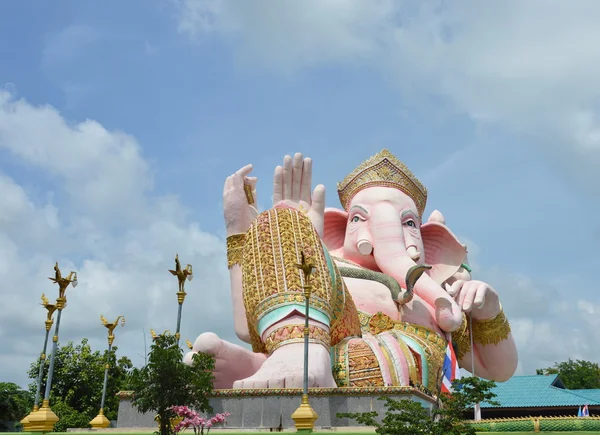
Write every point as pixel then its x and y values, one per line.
pixel 271 412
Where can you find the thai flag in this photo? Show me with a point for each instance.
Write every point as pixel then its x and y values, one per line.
pixel 450 370
pixel 585 412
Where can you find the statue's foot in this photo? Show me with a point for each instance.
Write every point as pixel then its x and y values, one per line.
pixel 285 369
pixel 232 362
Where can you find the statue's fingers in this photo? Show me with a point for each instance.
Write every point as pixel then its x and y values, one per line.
pixel 468 292
pixel 228 184
pixel 297 176
pixel 480 295
pixel 251 181
pixel 459 297
pixel 306 181
pixel 278 185
pixel 318 200
pixel 241 174
pixel 287 177
pixel 455 287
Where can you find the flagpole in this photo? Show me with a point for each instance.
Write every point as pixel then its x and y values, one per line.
pixel 476 409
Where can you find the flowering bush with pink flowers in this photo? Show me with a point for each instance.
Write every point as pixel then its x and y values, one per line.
pixel 192 419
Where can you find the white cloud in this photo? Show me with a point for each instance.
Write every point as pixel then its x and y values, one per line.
pixel 108 227
pixel 316 31
pixel 548 326
pixel 531 66
pixel 102 171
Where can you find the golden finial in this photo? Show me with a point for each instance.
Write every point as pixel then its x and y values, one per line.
pixel 111 326
pixel 153 334
pixel 182 274
pixel 50 308
pixel 63 283
pixel 189 344
pixel 307 269
pixel 383 169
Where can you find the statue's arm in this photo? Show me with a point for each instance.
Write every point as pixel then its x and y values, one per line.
pixel 239 209
pixel 493 352
pixel 491 349
pixel 235 245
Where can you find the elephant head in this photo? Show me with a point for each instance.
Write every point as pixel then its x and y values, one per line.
pixel 380 229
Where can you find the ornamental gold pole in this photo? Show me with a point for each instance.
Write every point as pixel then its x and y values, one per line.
pixel 181 277
pixel 476 407
pixel 305 416
pixel 51 308
pixel 45 419
pixel 100 421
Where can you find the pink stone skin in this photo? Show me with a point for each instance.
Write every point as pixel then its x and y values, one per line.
pixel 381 231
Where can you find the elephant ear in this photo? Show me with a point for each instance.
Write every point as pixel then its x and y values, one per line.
pixel 443 251
pixel 334 230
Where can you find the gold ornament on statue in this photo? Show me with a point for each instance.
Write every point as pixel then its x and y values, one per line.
pixel 383 169
pixel 235 248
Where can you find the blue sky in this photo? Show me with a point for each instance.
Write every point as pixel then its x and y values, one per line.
pixel 501 127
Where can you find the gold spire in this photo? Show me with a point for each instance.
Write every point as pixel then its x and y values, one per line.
pixel 383 169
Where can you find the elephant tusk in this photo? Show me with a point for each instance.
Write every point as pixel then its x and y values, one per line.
pixel 413 253
pixel 364 247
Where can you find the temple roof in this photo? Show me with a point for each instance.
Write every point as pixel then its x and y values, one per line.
pixel 540 391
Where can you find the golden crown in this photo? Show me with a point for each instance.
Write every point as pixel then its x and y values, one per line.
pixel 383 169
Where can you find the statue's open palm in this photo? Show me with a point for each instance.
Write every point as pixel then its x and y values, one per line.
pixel 292 185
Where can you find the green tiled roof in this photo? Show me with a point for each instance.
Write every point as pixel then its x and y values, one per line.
pixel 540 391
pixel 592 394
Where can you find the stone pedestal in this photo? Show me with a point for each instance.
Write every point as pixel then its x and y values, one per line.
pixel 273 409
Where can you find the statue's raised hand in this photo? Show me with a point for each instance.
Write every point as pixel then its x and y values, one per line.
pixel 292 185
pixel 239 210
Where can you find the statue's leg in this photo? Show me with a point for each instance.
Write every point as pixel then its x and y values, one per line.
pixel 232 362
pixel 273 287
pixel 389 354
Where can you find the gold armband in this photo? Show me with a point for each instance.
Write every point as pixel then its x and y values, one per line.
pixel 235 246
pixel 461 338
pixel 491 331
pixel 295 334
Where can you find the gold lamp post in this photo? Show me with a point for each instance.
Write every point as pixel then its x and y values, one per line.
pixel 44 419
pixel 305 416
pixel 100 421
pixel 51 308
pixel 181 275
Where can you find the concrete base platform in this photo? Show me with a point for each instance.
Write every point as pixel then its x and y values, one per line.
pixel 272 409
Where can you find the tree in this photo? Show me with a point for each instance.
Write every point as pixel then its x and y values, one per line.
pixel 15 403
pixel 166 381
pixel 411 418
pixel 77 383
pixel 579 374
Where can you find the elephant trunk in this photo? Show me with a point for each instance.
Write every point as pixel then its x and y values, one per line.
pixel 392 258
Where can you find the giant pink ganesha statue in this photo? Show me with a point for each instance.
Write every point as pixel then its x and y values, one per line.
pixel 388 290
